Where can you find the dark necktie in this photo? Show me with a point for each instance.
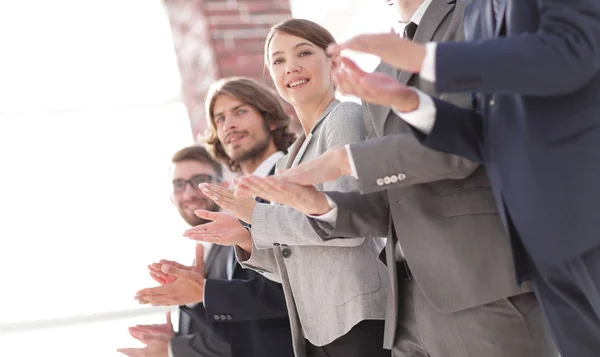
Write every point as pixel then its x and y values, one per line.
pixel 410 30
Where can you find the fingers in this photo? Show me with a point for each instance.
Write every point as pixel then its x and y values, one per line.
pixel 356 44
pixel 224 197
pixel 350 66
pixel 209 238
pixel 157 278
pixel 170 262
pixel 146 296
pixel 254 186
pixel 169 322
pixel 131 352
pixel 208 215
pixel 199 257
pixel 176 272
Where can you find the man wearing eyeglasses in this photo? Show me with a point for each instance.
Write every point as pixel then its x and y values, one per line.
pixel 221 313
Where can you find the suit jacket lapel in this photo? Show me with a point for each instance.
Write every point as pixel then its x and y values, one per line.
pixel 380 111
pixel 210 259
pixel 299 148
pixel 294 151
pixel 500 12
pixel 431 21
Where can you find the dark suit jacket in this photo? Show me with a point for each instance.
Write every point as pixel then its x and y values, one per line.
pixel 198 337
pixel 248 311
pixel 537 128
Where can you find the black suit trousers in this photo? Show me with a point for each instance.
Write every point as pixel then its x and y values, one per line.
pixel 569 294
pixel 363 340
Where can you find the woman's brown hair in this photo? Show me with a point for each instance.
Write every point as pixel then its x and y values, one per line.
pixel 305 29
pixel 261 99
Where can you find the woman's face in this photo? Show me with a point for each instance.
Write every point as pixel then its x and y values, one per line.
pixel 300 70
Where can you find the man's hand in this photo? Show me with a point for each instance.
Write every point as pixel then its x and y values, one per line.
pixel 402 54
pixel 187 288
pixel 305 199
pixel 150 333
pixel 224 197
pixel 223 230
pixel 155 337
pixel 159 348
pixel 375 87
pixel 156 273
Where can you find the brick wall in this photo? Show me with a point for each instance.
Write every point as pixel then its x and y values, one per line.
pixel 220 38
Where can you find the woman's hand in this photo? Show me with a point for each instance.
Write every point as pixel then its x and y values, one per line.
pixel 223 230
pixel 224 197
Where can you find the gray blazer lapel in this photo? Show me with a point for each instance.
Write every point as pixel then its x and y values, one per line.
pixel 431 21
pixel 294 151
pixel 299 147
pixel 380 111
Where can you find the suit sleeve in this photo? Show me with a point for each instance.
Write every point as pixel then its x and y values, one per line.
pixel 403 161
pixel 248 299
pixel 456 130
pixel 284 225
pixel 560 58
pixel 357 216
pixel 199 345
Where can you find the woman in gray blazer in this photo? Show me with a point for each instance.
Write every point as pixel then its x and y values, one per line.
pixel 335 290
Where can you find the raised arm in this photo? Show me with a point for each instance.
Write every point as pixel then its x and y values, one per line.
pixel 562 56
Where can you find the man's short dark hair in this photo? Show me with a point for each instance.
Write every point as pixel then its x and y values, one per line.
pixel 197 153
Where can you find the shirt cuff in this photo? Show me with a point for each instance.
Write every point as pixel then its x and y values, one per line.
pixel 170 349
pixel 329 217
pixel 204 293
pixel 423 118
pixel 353 172
pixel 428 66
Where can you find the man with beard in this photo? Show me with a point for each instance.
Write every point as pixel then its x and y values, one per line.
pixel 225 310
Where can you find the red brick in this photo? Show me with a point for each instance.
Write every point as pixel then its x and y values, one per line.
pixel 218 38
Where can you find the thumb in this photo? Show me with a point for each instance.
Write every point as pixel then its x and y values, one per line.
pixel 199 265
pixel 202 213
pixel 169 323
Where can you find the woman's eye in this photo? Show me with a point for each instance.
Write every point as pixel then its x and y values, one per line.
pixel 278 61
pixel 305 53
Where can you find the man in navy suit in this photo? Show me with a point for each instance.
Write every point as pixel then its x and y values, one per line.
pixel 534 69
pixel 225 310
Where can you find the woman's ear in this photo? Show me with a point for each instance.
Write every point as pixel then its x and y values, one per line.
pixel 335 61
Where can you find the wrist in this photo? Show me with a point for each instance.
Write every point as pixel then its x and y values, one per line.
pixel 322 205
pixel 246 242
pixel 420 53
pixel 407 101
pixel 341 157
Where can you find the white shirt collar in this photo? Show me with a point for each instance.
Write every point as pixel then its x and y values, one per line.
pixel 416 17
pixel 266 166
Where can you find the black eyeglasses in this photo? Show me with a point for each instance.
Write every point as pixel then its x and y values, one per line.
pixel 179 184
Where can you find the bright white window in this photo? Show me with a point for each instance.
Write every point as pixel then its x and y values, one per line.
pixel 89 118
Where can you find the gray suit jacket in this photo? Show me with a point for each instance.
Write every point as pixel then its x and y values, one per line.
pixel 441 205
pixel 332 285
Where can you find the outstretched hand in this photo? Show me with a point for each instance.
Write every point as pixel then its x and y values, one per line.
pixel 375 87
pixel 223 230
pixel 224 197
pixel 391 48
pixel 305 199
